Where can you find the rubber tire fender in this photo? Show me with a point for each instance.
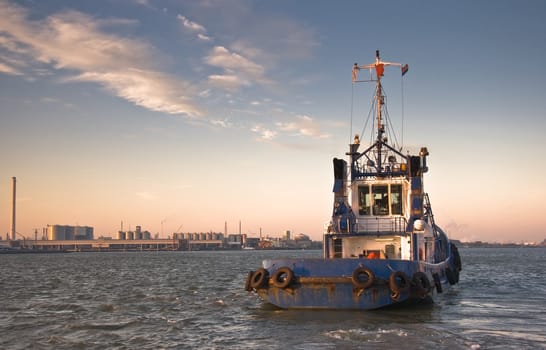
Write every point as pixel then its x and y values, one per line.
pixel 399 276
pixel 259 278
pixel 421 282
pixel 450 274
pixel 283 277
pixel 357 282
pixel 456 257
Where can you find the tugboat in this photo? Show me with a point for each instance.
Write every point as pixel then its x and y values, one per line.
pixel 382 246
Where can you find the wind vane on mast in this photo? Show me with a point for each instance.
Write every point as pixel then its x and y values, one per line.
pixel 379 68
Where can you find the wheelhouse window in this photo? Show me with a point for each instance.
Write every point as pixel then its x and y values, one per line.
pixel 364 200
pixel 380 200
pixel 396 199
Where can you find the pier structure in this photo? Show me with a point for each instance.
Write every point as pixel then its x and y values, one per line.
pixel 108 244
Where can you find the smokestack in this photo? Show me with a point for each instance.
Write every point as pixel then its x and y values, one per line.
pixel 14 187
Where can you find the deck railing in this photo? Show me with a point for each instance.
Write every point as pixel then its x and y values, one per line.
pixel 396 224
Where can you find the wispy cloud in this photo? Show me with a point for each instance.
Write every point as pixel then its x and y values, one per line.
pixel 75 43
pixel 7 69
pixel 221 123
pixel 153 90
pixel 303 126
pixel 264 134
pixel 229 82
pixel 195 27
pixel 238 70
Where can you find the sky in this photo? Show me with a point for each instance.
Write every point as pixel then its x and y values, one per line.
pixel 180 116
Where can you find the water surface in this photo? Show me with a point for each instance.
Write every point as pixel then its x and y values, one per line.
pixel 196 300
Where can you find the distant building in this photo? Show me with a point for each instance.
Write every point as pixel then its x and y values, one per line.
pixel 138 234
pixel 251 242
pixel 235 241
pixel 66 232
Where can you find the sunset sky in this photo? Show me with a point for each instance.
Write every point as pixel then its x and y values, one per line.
pixel 183 115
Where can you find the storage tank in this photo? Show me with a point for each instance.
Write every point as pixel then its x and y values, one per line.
pixel 55 232
pixel 80 232
pixel 69 232
pixel 88 232
pixel 122 235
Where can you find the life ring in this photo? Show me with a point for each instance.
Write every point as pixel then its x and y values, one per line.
pixel 248 287
pixel 421 282
pixel 283 277
pixel 259 277
pixel 398 282
pixel 450 274
pixel 363 277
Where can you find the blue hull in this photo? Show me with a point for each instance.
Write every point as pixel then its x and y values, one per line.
pixel 332 284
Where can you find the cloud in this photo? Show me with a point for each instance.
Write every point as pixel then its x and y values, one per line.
pixel 303 126
pixel 223 58
pixel 204 37
pixel 264 133
pixel 228 82
pixel 148 89
pixel 238 70
pixel 76 44
pixel 4 68
pixel 194 28
pixel 221 123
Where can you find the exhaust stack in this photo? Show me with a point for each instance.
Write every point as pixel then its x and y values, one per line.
pixel 13 187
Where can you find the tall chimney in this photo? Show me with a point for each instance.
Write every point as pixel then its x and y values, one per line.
pixel 14 187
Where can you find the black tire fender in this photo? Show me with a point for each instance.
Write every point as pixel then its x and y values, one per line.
pixel 283 277
pixel 259 278
pixel 399 282
pixel 421 282
pixel 450 274
pixel 360 272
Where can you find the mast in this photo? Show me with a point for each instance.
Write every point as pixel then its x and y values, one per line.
pixel 380 142
pixel 380 100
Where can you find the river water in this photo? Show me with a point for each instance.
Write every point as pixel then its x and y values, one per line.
pixel 196 300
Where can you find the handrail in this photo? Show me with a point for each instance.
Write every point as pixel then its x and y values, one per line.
pixel 390 224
